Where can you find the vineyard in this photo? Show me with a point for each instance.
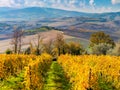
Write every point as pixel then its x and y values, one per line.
pixel 85 72
pixel 92 72
pixel 23 72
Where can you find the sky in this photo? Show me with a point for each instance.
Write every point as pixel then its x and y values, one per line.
pixel 91 6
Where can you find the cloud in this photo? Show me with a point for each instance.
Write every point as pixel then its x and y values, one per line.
pixel 82 4
pixel 5 3
pixel 34 3
pixel 19 1
pixel 60 4
pixel 74 5
pixel 104 9
pixel 12 3
pixel 92 4
pixel 115 1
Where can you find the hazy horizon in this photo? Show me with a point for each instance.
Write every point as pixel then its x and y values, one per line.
pixel 89 6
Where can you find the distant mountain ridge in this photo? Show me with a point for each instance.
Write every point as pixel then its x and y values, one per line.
pixel 32 13
pixel 5 9
pixel 35 13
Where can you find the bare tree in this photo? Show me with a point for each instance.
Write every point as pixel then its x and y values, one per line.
pixel 48 47
pixel 59 43
pixel 36 44
pixel 17 39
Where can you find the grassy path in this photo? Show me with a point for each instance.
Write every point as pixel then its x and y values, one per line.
pixel 55 79
pixel 13 82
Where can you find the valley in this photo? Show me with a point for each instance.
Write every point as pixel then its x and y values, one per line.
pixel 77 25
pixel 59 44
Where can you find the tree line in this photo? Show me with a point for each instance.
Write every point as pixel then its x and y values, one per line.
pixel 100 44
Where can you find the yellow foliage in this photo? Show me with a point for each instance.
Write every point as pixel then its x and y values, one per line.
pixel 12 64
pixel 35 68
pixel 35 72
pixel 85 71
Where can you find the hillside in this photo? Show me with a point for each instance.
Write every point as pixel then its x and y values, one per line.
pixel 35 13
pixel 59 45
pixel 77 25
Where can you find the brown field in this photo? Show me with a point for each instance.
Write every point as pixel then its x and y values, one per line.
pixel 49 35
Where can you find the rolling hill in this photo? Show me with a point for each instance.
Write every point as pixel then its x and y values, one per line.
pixel 77 25
pixel 35 13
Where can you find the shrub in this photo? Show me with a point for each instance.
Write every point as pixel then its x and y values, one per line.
pixel 101 49
pixel 8 51
pixel 75 48
pixel 115 51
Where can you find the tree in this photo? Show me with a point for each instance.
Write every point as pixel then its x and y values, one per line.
pixel 101 49
pixel 100 37
pixel 27 51
pixel 75 48
pixel 48 47
pixel 115 50
pixel 17 39
pixel 59 43
pixel 36 46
